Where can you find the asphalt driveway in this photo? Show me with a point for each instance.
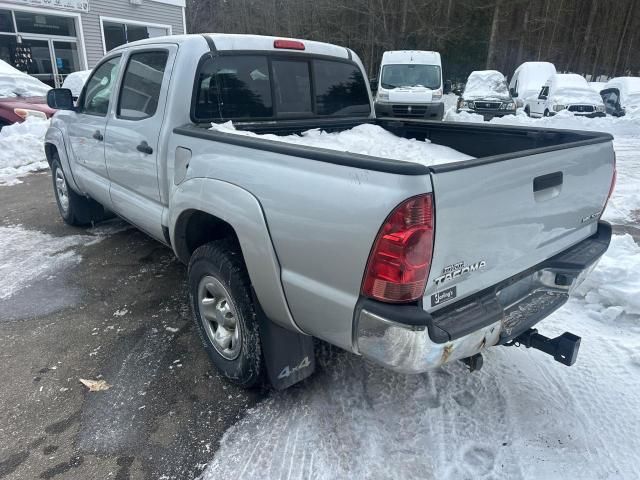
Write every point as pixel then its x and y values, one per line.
pixel 108 304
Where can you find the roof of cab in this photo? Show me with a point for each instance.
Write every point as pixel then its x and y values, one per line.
pixel 228 41
pixel 411 56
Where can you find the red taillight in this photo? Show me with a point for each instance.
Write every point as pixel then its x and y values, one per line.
pixel 290 44
pixel 400 260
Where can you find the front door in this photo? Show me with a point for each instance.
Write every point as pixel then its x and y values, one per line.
pixel 51 60
pixel 132 137
pixel 87 128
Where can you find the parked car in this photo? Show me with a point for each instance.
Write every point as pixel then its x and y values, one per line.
pixel 410 85
pixel 21 96
pixel 528 79
pixel 75 81
pixel 288 242
pixel 566 91
pixel 486 93
pixel 621 95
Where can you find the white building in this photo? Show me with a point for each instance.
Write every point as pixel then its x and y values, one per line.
pixel 51 38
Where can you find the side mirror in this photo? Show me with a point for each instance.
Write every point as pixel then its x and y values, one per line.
pixel 447 87
pixel 60 99
pixel 513 93
pixel 373 83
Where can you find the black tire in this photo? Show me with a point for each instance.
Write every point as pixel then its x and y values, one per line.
pixel 546 113
pixel 222 260
pixel 76 210
pixel 526 110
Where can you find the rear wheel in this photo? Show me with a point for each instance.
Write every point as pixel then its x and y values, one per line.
pixel 74 208
pixel 224 312
pixel 527 111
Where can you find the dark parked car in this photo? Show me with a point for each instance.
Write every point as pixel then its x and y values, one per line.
pixel 486 93
pixel 621 95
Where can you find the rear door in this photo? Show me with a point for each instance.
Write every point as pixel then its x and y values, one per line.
pixel 540 103
pixel 495 220
pixel 132 136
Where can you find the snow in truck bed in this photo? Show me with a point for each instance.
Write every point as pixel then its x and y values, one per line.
pixel 364 139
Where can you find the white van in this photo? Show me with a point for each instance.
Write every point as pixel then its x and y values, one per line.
pixel 410 85
pixel 528 79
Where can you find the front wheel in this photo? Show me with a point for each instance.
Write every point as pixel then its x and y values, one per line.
pixel 74 209
pixel 527 111
pixel 224 312
pixel 546 113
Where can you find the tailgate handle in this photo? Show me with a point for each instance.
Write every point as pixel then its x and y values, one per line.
pixel 547 181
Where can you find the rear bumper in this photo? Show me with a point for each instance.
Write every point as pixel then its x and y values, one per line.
pixel 434 110
pixel 407 339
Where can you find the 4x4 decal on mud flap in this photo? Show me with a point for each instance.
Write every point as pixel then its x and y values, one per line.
pixel 286 371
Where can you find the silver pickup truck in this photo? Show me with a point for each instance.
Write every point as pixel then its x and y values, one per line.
pixel 407 265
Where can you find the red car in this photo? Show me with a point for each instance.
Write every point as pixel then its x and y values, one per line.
pixel 21 96
pixel 16 109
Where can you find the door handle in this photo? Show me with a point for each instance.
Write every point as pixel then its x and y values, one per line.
pixel 144 148
pixel 98 136
pixel 547 181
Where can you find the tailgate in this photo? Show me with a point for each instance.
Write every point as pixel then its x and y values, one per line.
pixel 498 217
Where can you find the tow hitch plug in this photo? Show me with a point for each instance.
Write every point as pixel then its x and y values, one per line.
pixel 563 349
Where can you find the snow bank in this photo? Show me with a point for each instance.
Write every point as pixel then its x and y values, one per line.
pixel 22 149
pixel 14 83
pixel 523 416
pixel 614 287
pixel 364 139
pixel 487 85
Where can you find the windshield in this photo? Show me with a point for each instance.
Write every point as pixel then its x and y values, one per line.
pixel 410 75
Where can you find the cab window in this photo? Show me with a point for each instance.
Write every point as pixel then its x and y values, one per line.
pixel 141 84
pixel 99 88
pixel 543 93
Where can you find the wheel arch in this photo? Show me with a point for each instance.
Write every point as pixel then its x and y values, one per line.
pixel 54 143
pixel 204 210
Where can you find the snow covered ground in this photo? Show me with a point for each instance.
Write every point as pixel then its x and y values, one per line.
pixel 22 150
pixel 522 416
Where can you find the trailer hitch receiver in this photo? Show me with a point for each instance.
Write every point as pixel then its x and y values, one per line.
pixel 563 349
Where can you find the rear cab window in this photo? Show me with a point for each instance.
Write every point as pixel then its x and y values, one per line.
pixel 252 87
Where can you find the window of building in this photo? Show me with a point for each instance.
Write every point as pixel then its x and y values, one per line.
pixel 6 21
pixel 28 22
pixel 44 45
pixel 141 84
pixel 119 33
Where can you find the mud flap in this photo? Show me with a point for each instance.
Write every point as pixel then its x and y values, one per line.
pixel 288 356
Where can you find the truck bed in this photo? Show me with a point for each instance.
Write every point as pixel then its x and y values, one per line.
pixel 486 143
pixel 487 209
